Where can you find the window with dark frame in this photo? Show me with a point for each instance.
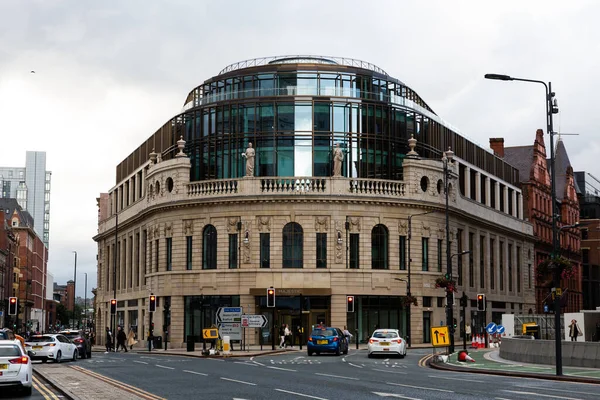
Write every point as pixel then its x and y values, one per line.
pixel 482 262
pixel 233 250
pixel 440 252
pixel 156 250
pixel 354 250
pixel 321 250
pixel 209 247
pixel 379 247
pixel 292 245
pixel 402 252
pixel 188 253
pixel 265 250
pixel 169 253
pixel 425 253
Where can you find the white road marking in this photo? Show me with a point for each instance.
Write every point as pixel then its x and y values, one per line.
pixel 140 362
pixel 194 372
pixel 234 380
pixel 245 363
pixel 455 379
pixel 301 394
pixel 162 366
pixel 337 376
pixel 256 362
pixel 398 396
pixel 214 359
pixel 389 372
pixel 283 369
pixel 354 365
pixel 420 387
pixel 542 395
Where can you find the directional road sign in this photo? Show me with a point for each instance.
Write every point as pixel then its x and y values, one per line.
pixel 491 328
pixel 440 336
pixel 233 330
pixel 254 321
pixel 500 329
pixel 229 314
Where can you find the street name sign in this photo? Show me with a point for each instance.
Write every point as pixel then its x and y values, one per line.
pixel 229 314
pixel 440 336
pixel 254 321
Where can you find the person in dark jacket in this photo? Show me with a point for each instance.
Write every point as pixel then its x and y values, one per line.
pixel 121 339
pixel 108 340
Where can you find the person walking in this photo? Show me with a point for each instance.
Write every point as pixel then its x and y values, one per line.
pixel 574 330
pixel 108 340
pixel 131 339
pixel 347 334
pixel 288 336
pixel 121 338
pixel 281 336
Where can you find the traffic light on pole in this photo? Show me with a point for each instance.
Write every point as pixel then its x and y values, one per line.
pixel 271 297
pixel 481 302
pixel 349 303
pixel 113 306
pixel 12 306
pixel 152 303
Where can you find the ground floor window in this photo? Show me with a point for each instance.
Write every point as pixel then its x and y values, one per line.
pixel 375 312
pixel 200 312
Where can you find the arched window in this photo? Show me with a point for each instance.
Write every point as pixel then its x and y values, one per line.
pixel 379 247
pixel 293 239
pixel 209 247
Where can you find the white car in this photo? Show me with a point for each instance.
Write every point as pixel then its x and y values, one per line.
pixel 387 341
pixel 55 347
pixel 15 366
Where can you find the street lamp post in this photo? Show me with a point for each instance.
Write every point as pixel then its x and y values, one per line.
pixel 447 159
pixel 85 301
pixel 551 108
pixel 408 287
pixel 74 286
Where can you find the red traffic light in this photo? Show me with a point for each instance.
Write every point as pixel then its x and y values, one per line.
pixel 113 301
pixel 350 298
pixel 271 291
pixel 480 297
pixel 13 300
pixel 152 298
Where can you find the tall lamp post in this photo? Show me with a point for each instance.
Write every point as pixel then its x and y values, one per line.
pixel 74 286
pixel 551 108
pixel 408 287
pixel 447 159
pixel 85 302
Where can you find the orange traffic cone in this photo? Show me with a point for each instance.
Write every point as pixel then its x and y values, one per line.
pixel 479 341
pixel 473 344
pixel 464 356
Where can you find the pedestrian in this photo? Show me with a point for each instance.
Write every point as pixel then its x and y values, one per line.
pixel 131 338
pixel 468 332
pixel 347 335
pixel 108 340
pixel 574 330
pixel 288 336
pixel 121 338
pixel 281 336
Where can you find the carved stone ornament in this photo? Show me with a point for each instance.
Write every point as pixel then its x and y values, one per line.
pixel 264 224
pixel 426 230
pixel 338 252
pixel 321 224
pixel 188 227
pixel 246 252
pixel 157 231
pixel 180 146
pixel 149 233
pixel 412 143
pixel 168 229
pixel 232 224
pixel 441 233
pixel 403 227
pixel 354 224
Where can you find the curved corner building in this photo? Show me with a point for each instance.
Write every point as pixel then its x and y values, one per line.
pixel 203 227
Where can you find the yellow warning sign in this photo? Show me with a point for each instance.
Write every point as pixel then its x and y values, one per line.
pixel 440 336
pixel 212 333
pixel 559 291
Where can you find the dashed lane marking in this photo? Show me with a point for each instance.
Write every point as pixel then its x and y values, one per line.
pixel 301 394
pixel 390 372
pixel 283 369
pixel 162 366
pixel 195 373
pixel 235 380
pixel 354 365
pixel 337 376
pixel 420 387
pixel 141 362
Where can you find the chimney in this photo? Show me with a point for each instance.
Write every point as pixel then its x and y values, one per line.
pixel 497 144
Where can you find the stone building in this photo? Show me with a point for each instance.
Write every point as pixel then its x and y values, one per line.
pixel 199 225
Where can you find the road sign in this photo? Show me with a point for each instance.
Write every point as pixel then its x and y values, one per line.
pixel 254 321
pixel 440 336
pixel 559 291
pixel 491 328
pixel 500 329
pixel 210 333
pixel 229 314
pixel 233 330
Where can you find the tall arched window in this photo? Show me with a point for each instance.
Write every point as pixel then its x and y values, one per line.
pixel 209 247
pixel 293 239
pixel 379 247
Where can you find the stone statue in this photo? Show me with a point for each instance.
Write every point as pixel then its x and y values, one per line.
pixel 338 157
pixel 249 156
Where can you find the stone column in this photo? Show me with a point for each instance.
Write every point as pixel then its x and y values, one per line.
pixel 338 310
pixel 177 332
pixel 478 186
pixel 520 204
pixel 506 199
pixel 514 203
pixel 497 193
pixel 467 179
pixel 488 198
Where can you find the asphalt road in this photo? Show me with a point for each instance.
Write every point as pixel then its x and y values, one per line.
pixel 294 375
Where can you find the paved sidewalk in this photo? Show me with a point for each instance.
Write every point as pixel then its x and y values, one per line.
pixel 488 361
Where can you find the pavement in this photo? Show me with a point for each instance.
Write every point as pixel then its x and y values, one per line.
pixel 78 383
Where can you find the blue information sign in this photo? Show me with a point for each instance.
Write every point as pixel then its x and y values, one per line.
pixel 500 329
pixel 491 328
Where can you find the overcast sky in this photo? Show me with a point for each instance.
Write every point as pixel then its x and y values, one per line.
pixel 109 73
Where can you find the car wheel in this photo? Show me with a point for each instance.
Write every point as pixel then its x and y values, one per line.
pixel 74 355
pixel 58 357
pixel 370 355
pixel 310 353
pixel 401 355
pixel 84 354
pixel 337 351
pixel 318 353
pixel 27 390
pixel 346 351
pixel 89 355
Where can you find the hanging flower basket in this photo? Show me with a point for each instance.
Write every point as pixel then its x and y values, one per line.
pixel 409 301
pixel 448 284
pixel 564 267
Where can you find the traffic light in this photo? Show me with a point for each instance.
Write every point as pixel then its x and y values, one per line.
pixel 271 297
pixel 12 306
pixel 481 302
pixel 152 303
pixel 113 306
pixel 454 323
pixel 349 303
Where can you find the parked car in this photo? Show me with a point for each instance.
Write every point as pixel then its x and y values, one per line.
pixel 387 341
pixel 84 347
pixel 7 334
pixel 15 366
pixel 51 347
pixel 327 340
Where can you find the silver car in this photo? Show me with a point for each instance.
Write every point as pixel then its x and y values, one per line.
pixel 15 366
pixel 55 347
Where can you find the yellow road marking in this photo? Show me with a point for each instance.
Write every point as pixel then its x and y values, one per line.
pixel 424 359
pixel 44 391
pixel 119 384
